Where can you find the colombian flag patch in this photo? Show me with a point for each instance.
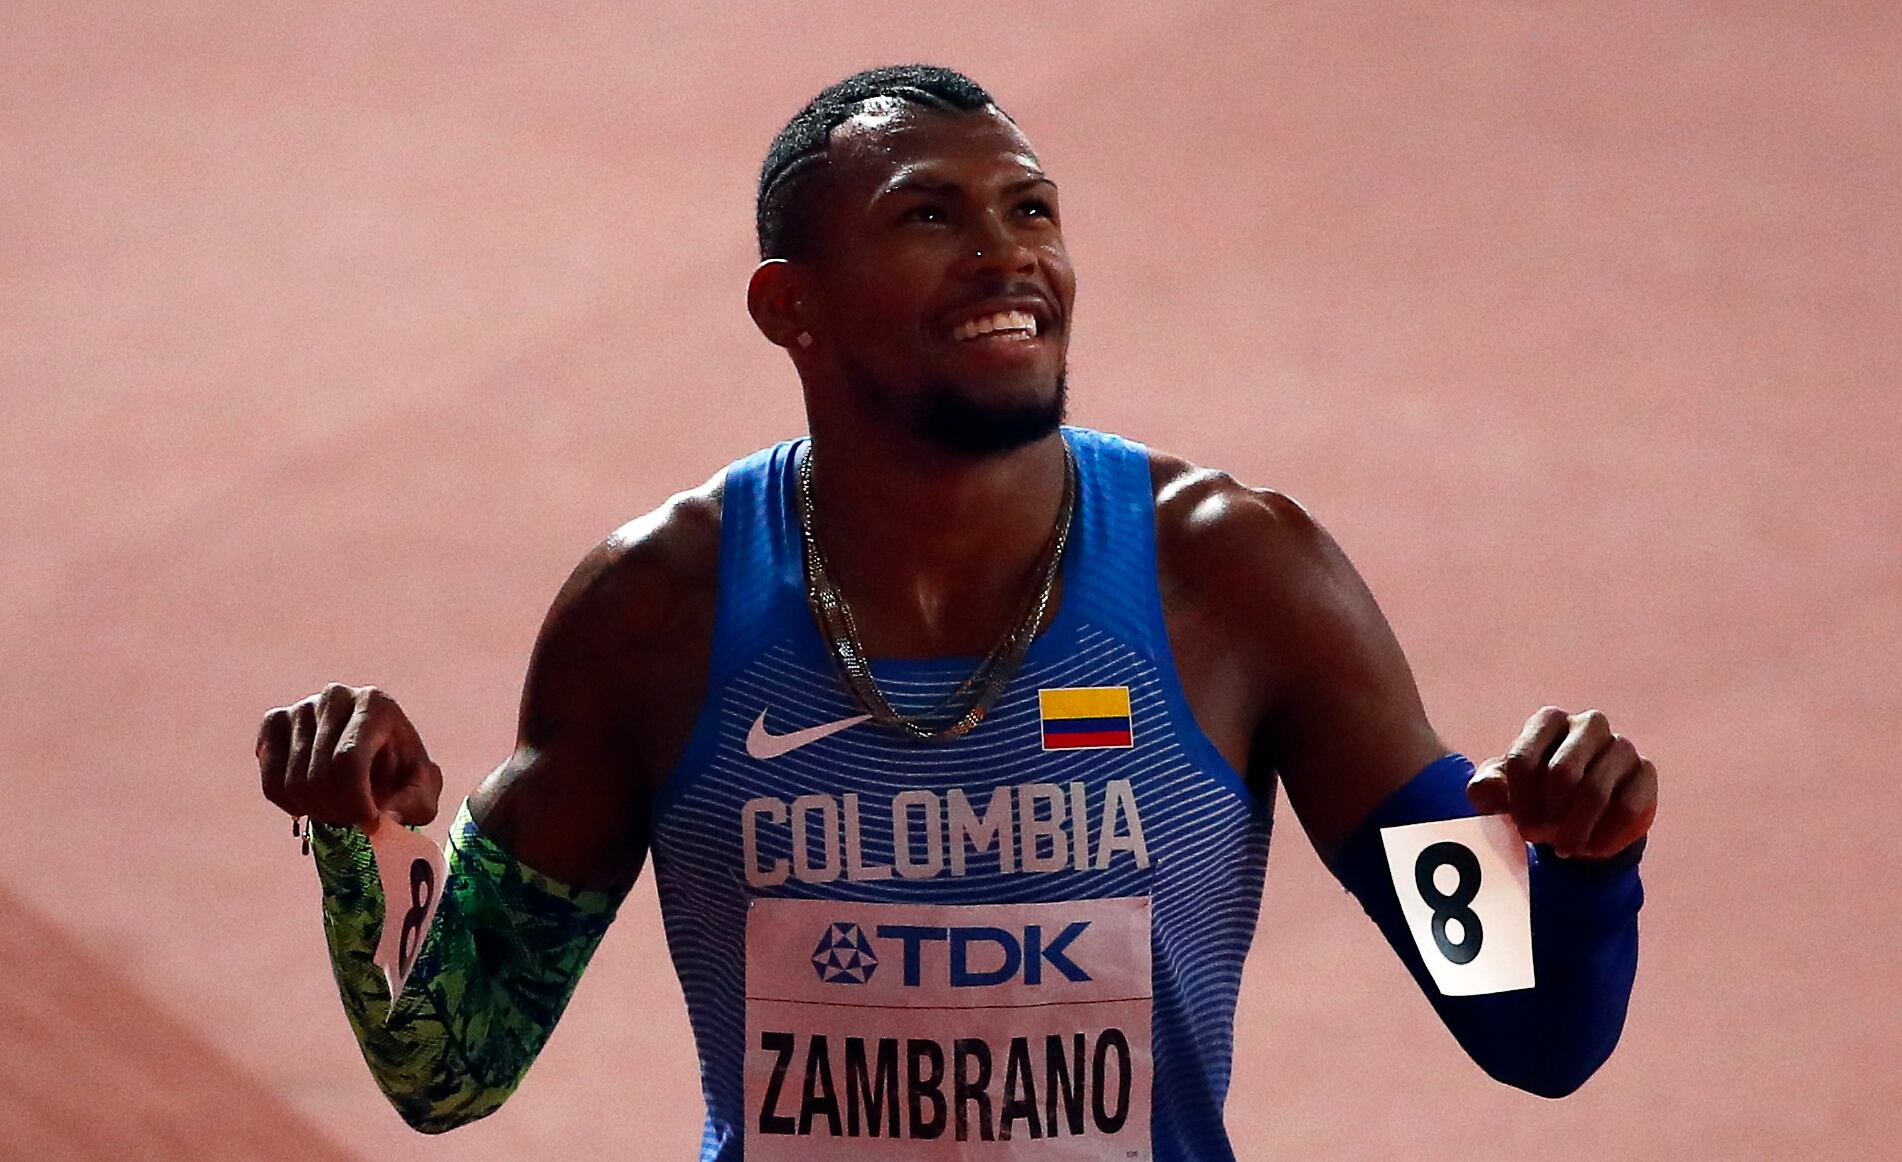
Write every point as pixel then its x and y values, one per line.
pixel 1085 717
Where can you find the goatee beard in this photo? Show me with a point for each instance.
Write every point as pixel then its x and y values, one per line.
pixel 952 420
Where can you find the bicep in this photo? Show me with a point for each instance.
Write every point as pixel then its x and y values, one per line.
pixel 1346 726
pixel 556 811
pixel 568 802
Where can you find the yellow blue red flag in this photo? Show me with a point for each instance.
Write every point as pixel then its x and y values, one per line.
pixel 1085 717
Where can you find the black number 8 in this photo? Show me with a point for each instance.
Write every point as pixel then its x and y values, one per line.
pixel 1453 905
pixel 422 889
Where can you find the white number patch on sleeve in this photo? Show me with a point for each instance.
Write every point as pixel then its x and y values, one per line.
pixel 1463 889
pixel 411 869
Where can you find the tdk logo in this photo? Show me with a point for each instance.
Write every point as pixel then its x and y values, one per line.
pixel 1003 954
pixel 844 955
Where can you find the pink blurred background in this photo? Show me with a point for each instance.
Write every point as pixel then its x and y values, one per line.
pixel 331 336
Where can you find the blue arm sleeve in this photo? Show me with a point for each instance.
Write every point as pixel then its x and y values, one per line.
pixel 1545 1040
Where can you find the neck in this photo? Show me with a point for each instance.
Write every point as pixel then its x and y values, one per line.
pixel 935 552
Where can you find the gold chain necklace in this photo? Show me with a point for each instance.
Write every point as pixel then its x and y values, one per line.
pixel 977 693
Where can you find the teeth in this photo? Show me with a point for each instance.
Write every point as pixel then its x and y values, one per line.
pixel 1001 321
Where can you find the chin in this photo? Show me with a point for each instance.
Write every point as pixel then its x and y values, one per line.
pixel 979 422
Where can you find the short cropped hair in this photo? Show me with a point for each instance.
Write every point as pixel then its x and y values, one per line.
pixel 785 184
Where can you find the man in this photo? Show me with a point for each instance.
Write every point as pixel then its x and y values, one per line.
pixel 954 734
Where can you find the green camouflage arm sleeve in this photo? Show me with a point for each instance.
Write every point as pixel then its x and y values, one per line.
pixel 495 971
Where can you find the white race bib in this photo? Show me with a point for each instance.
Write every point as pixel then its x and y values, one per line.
pixel 933 1031
pixel 1463 889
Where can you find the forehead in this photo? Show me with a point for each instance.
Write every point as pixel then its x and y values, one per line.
pixel 889 138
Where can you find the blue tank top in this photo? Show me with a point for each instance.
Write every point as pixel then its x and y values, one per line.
pixel 1023 943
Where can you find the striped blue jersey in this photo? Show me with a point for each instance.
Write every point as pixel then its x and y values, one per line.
pixel 1022 943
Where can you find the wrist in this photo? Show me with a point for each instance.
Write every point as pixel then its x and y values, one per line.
pixel 339 849
pixel 1623 860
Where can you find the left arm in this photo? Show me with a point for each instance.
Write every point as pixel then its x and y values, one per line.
pixel 1342 725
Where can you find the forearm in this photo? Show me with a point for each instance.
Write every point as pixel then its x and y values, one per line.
pixel 495 971
pixel 1548 1039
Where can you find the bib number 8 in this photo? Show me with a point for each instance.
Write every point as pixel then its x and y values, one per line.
pixel 422 890
pixel 1454 906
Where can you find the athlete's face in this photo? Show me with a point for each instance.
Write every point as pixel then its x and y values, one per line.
pixel 941 277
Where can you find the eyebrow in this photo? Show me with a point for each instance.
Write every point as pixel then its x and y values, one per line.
pixel 925 183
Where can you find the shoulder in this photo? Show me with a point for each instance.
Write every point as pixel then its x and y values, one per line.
pixel 1254 568
pixel 624 648
pixel 1221 543
pixel 649 575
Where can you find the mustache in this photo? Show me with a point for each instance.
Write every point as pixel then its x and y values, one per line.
pixel 1017 292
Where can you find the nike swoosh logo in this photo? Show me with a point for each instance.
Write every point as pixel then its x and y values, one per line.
pixel 763 745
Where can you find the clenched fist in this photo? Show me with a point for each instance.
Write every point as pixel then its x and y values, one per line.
pixel 344 756
pixel 1571 783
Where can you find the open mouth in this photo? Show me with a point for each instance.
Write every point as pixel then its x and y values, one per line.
pixel 999 326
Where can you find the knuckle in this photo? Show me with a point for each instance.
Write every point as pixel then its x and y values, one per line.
pixel 1637 794
pixel 350 763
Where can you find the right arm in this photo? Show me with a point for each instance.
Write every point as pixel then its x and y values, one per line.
pixel 543 851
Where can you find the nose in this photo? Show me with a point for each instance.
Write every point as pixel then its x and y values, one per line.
pixel 995 247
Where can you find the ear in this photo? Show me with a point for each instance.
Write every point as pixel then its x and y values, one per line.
pixel 772 298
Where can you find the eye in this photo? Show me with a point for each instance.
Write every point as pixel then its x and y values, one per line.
pixel 1037 208
pixel 928 212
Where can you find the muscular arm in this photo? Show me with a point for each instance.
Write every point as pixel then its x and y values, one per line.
pixel 612 687
pixel 549 844
pixel 1291 666
pixel 1335 714
pixel 1343 726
